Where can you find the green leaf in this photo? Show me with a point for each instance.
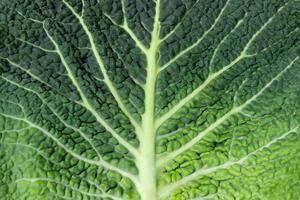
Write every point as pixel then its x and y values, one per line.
pixel 150 100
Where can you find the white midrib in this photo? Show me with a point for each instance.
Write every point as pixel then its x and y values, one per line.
pixel 146 157
pixel 146 161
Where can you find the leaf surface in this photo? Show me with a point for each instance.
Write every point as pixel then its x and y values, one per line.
pixel 165 99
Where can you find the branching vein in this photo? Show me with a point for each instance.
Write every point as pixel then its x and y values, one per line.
pixel 35 77
pixel 235 110
pixel 202 172
pixel 100 62
pixel 188 49
pixel 101 163
pixel 85 100
pixel 45 179
pixel 57 115
pixel 180 22
pixel 214 75
pixel 126 28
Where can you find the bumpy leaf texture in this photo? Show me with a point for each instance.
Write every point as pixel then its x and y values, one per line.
pixel 144 99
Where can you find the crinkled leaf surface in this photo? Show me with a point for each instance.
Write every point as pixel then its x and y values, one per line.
pixel 144 99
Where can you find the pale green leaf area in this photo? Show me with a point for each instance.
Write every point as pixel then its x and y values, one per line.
pixel 149 99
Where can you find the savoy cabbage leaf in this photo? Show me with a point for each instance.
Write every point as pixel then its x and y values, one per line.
pixel 149 99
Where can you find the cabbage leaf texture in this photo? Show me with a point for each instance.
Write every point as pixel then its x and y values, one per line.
pixel 149 99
